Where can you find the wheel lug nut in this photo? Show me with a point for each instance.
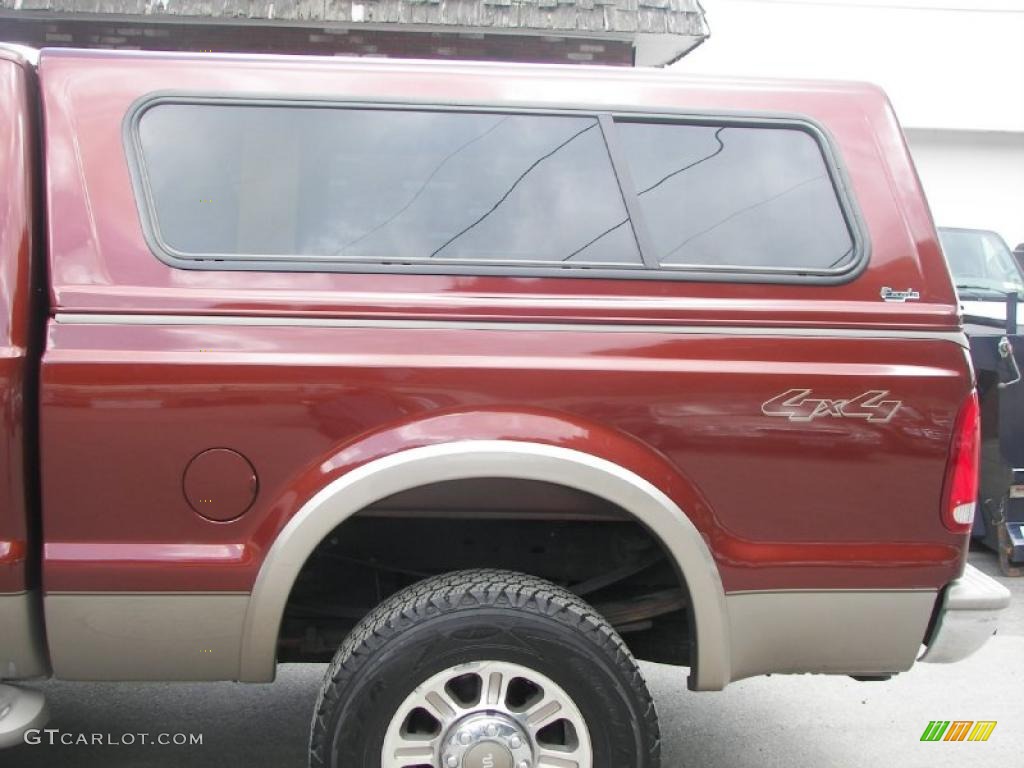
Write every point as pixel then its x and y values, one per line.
pixel 464 738
pixel 523 764
pixel 515 742
pixel 452 761
pixel 492 730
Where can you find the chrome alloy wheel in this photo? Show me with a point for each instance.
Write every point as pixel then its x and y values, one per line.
pixel 487 714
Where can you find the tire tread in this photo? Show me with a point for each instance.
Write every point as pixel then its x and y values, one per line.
pixel 466 590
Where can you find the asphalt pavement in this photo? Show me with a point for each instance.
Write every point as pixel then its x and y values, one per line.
pixel 784 721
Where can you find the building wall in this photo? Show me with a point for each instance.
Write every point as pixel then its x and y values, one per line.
pixel 954 70
pixel 973 180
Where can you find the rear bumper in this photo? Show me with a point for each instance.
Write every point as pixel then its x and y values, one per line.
pixel 967 618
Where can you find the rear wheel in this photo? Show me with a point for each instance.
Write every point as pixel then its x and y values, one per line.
pixel 484 669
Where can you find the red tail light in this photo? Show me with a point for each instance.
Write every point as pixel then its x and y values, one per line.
pixel 961 496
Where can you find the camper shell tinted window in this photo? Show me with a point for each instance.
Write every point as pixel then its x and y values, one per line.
pixel 383 185
pixel 736 197
pixel 236 184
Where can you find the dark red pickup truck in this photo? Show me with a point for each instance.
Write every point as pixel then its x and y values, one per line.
pixel 482 381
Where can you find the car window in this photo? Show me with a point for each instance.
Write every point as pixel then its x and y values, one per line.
pixel 980 262
pixel 238 184
pixel 736 196
pixel 386 185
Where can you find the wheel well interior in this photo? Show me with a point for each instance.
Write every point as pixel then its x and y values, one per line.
pixel 570 537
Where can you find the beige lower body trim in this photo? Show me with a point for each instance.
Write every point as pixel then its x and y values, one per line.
pixel 22 645
pixel 832 631
pixel 198 636
pixel 145 636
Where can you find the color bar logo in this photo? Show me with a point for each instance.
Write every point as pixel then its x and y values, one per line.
pixel 958 730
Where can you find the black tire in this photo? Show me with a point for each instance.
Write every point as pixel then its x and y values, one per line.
pixel 482 615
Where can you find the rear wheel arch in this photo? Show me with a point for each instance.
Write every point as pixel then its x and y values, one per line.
pixel 352 492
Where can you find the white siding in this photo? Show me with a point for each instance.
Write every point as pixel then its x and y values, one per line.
pixel 973 180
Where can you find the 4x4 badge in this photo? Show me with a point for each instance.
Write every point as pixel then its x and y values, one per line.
pixel 797 405
pixel 891 294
